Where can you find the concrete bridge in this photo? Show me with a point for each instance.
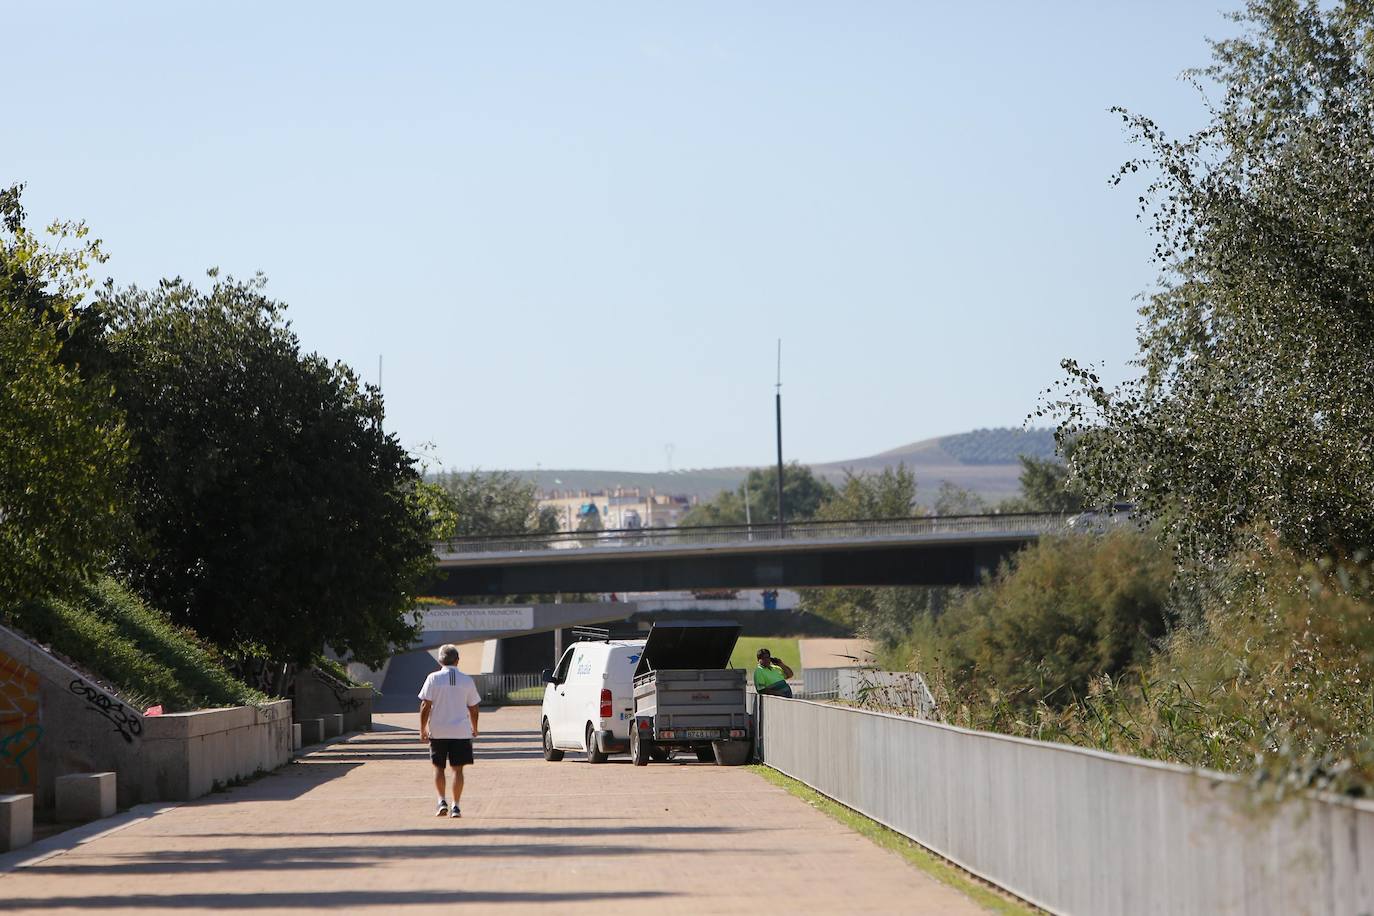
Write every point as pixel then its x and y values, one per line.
pixel 502 621
pixel 953 550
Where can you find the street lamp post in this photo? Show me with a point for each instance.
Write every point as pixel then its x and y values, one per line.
pixel 778 404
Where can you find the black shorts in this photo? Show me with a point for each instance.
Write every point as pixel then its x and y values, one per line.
pixel 456 752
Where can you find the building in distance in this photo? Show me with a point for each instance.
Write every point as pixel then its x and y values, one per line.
pixel 621 507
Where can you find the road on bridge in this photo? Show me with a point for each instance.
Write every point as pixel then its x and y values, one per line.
pixel 350 827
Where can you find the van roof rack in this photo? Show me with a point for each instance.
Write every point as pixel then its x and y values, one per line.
pixel 591 634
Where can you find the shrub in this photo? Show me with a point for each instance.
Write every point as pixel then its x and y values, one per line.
pixel 1275 681
pixel 1055 617
pixel 125 644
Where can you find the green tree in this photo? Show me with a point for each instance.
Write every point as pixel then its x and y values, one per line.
pixel 1059 614
pixel 64 448
pixel 277 516
pixel 1045 487
pixel 802 491
pixel 890 494
pixel 486 503
pixel 955 500
pixel 726 508
pixel 1255 407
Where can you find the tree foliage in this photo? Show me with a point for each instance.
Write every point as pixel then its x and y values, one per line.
pixel 1045 487
pixel 63 447
pixel 889 494
pixel 803 495
pixel 1256 399
pixel 1275 685
pixel 484 503
pixel 1060 613
pixel 276 514
pixel 952 499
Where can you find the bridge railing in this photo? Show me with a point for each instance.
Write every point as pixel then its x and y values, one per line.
pixel 1032 524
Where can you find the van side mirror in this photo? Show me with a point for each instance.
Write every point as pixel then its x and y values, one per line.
pixel 546 676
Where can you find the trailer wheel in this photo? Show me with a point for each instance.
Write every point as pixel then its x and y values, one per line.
pixel 594 754
pixel 705 754
pixel 551 753
pixel 639 748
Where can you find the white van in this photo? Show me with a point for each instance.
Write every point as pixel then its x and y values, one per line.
pixel 589 699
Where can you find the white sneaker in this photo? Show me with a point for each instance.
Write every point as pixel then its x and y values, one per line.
pixel 443 809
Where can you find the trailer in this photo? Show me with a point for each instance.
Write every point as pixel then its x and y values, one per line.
pixel 687 698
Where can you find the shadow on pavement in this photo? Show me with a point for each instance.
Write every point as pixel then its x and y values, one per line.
pixel 378 727
pixel 314 900
pixel 467 830
pixel 258 859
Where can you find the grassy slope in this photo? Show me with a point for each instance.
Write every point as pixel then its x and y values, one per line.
pixel 128 646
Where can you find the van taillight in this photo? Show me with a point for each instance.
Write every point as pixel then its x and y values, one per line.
pixel 606 711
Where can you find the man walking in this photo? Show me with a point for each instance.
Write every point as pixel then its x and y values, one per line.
pixel 448 721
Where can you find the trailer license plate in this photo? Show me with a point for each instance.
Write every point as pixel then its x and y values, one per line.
pixel 700 733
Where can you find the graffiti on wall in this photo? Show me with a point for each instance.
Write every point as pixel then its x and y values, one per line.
pixel 124 719
pixel 21 727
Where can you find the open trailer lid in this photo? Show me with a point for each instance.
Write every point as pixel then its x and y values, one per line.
pixel 704 644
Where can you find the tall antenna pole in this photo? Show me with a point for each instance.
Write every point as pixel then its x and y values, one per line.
pixel 782 514
pixel 379 372
pixel 748 516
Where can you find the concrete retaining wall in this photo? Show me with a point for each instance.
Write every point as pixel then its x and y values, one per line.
pixel 318 695
pixel 71 725
pixel 1079 831
pixel 188 754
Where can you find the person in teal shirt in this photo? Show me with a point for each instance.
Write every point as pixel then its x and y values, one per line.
pixel 770 679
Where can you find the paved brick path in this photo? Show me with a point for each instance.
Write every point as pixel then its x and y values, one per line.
pixel 349 827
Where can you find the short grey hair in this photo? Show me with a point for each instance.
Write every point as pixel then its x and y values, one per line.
pixel 448 654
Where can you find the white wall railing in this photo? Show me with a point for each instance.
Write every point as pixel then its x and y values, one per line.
pixel 510 689
pixel 1075 830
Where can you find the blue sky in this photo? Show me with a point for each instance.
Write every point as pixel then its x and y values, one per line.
pixel 575 231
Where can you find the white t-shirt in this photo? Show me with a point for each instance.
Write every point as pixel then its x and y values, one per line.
pixel 452 692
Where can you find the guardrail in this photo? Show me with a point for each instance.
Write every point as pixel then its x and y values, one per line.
pixel 510 689
pixel 819 684
pixel 902 692
pixel 1011 524
pixel 1079 831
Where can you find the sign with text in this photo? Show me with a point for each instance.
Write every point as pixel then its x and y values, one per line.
pixel 479 619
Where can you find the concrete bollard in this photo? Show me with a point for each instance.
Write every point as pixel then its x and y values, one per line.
pixel 333 725
pixel 16 821
pixel 85 797
pixel 295 736
pixel 312 731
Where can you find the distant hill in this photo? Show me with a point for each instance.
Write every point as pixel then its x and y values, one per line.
pixel 983 460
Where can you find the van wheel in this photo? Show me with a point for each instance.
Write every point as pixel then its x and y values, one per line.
pixel 640 750
pixel 593 755
pixel 705 754
pixel 551 753
pixel 659 754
